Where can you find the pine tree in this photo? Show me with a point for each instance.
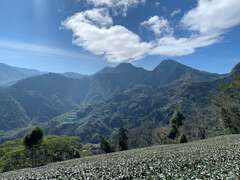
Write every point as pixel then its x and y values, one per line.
pixel 176 122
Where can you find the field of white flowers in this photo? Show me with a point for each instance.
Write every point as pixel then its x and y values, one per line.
pixel 216 158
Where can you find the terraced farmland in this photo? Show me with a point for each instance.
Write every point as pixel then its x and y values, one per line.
pixel 216 158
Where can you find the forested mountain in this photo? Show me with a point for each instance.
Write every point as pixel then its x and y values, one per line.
pixel 10 74
pixel 121 96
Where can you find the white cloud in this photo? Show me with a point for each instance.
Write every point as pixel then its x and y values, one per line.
pixel 116 43
pixel 116 5
pixel 213 16
pixel 158 25
pixel 171 46
pixel 98 17
pixel 94 30
pixel 40 49
pixel 206 23
pixel 175 12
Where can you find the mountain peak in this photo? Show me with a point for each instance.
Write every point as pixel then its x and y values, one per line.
pixel 125 66
pixel 236 70
pixel 169 63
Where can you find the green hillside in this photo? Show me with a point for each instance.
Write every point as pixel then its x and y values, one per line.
pixel 13 154
pixel 216 158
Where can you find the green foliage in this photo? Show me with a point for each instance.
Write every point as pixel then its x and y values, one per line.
pixel 177 119
pixel 32 142
pixel 183 139
pixel 176 123
pixel 105 146
pixel 123 139
pixel 174 132
pixel 34 138
pixel 13 154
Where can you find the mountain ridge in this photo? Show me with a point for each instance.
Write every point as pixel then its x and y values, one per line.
pixel 11 74
pixel 119 96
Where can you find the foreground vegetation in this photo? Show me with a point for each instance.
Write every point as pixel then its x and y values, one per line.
pixel 13 154
pixel 216 158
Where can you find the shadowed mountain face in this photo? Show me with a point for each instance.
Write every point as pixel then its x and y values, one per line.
pixel 169 71
pixel 125 95
pixel 10 74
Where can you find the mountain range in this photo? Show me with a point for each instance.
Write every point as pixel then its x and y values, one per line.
pixel 10 74
pixel 122 96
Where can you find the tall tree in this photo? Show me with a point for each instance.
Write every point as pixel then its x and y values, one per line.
pixel 176 122
pixel 32 140
pixel 123 139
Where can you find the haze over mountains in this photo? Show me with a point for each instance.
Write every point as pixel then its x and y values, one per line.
pixel 123 96
pixel 10 74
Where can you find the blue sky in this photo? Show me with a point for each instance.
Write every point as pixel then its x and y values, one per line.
pixel 86 35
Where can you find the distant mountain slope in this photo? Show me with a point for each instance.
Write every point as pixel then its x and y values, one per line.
pixel 142 106
pixel 49 95
pixel 118 96
pixel 169 71
pixel 109 81
pixel 12 115
pixel 10 74
pixel 74 75
pixel 139 107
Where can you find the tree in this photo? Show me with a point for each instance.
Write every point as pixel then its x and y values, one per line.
pixel 105 145
pixel 123 139
pixel 183 139
pixel 174 132
pixel 32 140
pixel 177 118
pixel 201 133
pixel 229 106
pixel 176 122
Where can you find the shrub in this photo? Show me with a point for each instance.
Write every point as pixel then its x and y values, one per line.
pixel 183 139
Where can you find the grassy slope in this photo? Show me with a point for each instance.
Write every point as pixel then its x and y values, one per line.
pixel 215 158
pixel 14 156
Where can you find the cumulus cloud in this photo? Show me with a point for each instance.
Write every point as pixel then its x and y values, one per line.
pixel 94 30
pixel 213 16
pixel 99 17
pixel 116 5
pixel 171 46
pixel 158 25
pixel 114 42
